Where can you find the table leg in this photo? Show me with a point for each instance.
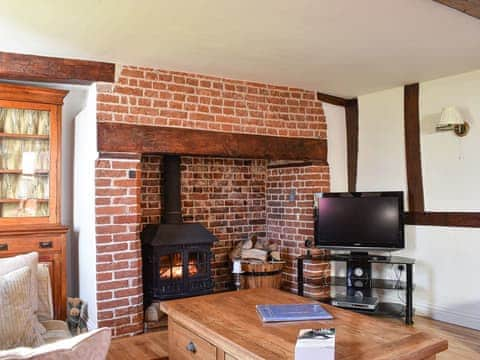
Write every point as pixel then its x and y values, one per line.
pixel 409 310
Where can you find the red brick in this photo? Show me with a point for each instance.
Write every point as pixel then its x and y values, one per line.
pixel 112 304
pixel 111 285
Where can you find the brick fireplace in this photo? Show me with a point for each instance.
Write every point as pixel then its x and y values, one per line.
pixel 231 197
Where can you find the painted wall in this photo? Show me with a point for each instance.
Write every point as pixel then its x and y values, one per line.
pixel 447 258
pixel 337 146
pixel 381 145
pixel 445 156
pixel 83 194
pixel 74 102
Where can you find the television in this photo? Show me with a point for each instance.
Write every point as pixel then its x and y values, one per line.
pixel 360 221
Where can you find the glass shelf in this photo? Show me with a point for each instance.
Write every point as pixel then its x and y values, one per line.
pixel 24 163
pixel 375 283
pixel 23 136
pixel 20 172
pixel 14 201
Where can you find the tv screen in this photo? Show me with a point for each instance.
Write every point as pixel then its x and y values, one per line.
pixel 368 220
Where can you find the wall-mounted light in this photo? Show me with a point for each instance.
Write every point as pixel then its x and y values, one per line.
pixel 452 120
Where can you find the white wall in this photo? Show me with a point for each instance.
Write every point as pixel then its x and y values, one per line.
pixel 445 156
pixel 84 202
pixel 337 146
pixel 74 102
pixel 381 145
pixel 447 258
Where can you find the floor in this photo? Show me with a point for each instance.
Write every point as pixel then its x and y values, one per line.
pixel 463 343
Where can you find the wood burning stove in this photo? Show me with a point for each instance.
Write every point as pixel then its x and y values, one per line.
pixel 176 256
pixel 171 272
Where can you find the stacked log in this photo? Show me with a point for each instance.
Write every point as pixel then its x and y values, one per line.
pixel 255 249
pixel 261 263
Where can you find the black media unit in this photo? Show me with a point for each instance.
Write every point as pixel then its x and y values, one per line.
pixel 364 282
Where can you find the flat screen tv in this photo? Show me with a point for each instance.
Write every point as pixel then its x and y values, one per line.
pixel 360 221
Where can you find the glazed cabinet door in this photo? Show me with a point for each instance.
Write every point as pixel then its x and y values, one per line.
pixel 28 162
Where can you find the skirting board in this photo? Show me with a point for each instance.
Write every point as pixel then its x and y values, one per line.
pixel 444 314
pixel 441 313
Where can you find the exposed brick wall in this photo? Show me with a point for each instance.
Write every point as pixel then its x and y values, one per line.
pixel 227 196
pixel 155 97
pixel 119 259
pixel 148 96
pixel 152 188
pixel 290 221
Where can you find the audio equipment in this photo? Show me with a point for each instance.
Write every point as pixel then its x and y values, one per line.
pixel 355 302
pixel 359 276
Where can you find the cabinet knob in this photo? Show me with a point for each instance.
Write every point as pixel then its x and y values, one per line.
pixel 3 247
pixel 191 347
pixel 45 244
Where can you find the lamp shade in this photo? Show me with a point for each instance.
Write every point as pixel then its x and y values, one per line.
pixel 450 116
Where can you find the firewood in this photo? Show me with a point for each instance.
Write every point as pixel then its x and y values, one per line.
pixel 272 247
pixel 236 252
pixel 257 254
pixel 275 255
pixel 261 244
pixel 247 244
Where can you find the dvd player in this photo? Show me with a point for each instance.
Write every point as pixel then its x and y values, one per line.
pixel 355 302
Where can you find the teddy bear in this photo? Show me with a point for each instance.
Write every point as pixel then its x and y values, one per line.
pixel 77 316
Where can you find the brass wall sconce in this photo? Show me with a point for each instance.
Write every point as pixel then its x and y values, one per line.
pixel 452 120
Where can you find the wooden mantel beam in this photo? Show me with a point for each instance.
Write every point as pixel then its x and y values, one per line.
pixel 469 7
pixel 50 69
pixel 126 138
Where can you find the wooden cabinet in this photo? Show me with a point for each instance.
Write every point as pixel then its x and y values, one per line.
pixel 184 344
pixel 30 159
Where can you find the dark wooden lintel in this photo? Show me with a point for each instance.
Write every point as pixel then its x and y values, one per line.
pixel 331 99
pixel 120 155
pixel 298 164
pixel 50 69
pixel 116 137
pixel 456 219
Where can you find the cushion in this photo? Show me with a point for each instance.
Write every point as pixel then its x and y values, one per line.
pixel 31 261
pixel 56 330
pixel 45 302
pixel 16 316
pixel 92 346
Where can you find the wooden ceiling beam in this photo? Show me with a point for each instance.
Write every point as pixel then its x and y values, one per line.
pixel 469 7
pixel 331 99
pixel 126 138
pixel 50 69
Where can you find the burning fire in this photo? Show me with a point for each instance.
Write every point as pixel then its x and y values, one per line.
pixel 176 271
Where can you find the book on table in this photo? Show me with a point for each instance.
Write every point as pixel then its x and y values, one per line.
pixel 292 312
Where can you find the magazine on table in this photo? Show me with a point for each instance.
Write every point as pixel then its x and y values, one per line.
pixel 292 312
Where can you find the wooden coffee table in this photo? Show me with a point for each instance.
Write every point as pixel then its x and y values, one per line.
pixel 226 326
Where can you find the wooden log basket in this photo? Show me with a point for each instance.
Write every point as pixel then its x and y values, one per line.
pixel 261 274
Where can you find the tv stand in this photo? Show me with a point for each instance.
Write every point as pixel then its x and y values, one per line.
pixel 368 282
pixel 365 255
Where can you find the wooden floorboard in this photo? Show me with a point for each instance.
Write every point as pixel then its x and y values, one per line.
pixel 463 343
